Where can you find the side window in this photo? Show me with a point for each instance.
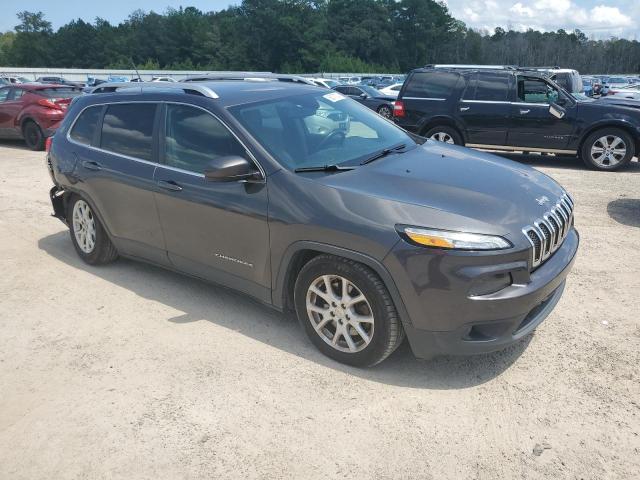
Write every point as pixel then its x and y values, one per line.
pixel 127 129
pixel 17 93
pixel 355 91
pixel 4 94
pixel 431 85
pixel 343 90
pixel 84 130
pixel 536 91
pixel 470 90
pixel 194 137
pixel 492 87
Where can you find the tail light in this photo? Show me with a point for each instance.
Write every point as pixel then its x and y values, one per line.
pixel 47 144
pixel 398 109
pixel 46 102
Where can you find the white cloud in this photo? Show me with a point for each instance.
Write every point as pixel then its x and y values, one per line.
pixel 590 16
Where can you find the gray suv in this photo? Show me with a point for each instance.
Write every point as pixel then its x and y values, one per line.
pixel 312 203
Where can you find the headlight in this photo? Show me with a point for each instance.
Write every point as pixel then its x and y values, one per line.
pixel 454 240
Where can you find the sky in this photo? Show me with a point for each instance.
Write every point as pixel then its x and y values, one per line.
pixel 597 18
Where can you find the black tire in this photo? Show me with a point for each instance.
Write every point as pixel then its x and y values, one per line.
pixel 33 136
pixel 593 140
pixel 103 250
pixel 387 328
pixel 385 111
pixel 445 130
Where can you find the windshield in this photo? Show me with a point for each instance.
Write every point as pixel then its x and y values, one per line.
pixel 331 83
pixel 318 129
pixel 59 92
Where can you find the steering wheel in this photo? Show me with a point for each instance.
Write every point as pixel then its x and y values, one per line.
pixel 336 135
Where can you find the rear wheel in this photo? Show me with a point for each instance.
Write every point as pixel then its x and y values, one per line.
pixel 33 136
pixel 445 134
pixel 385 111
pixel 347 311
pixel 88 235
pixel 608 149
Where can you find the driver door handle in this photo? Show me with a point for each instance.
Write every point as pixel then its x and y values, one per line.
pixel 524 112
pixel 169 185
pixel 464 109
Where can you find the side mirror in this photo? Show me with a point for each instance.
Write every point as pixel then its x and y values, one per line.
pixel 363 96
pixel 231 168
pixel 557 111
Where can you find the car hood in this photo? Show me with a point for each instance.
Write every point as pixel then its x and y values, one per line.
pixel 619 101
pixel 451 187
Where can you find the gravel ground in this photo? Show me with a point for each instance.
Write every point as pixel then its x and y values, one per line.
pixel 129 371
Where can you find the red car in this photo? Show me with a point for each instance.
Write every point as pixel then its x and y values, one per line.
pixel 33 112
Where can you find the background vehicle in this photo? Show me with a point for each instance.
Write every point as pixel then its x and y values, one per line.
pixel 391 90
pixel 628 91
pixel 243 195
pixel 349 80
pixel 58 81
pixel 325 82
pixel 588 85
pixel 33 111
pixel 618 82
pixel 11 79
pixel 516 110
pixel 370 97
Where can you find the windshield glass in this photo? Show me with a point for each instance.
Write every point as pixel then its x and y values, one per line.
pixel 318 129
pixel 370 90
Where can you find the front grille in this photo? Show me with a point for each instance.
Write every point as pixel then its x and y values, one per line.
pixel 547 233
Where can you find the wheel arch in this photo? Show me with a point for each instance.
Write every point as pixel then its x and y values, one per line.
pixel 301 252
pixel 626 127
pixel 442 120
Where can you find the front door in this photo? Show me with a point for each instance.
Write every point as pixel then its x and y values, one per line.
pixel 532 124
pixel 214 230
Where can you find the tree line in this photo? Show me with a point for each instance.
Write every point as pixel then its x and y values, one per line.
pixel 295 36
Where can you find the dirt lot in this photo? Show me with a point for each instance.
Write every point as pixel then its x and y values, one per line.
pixel 129 371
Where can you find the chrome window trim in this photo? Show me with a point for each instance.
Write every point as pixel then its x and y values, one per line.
pixel 499 102
pixel 157 164
pixel 424 98
pixel 528 104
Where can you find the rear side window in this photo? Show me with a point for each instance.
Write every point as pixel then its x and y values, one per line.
pixel 194 137
pixel 4 94
pixel 84 130
pixel 128 129
pixel 431 85
pixel 492 87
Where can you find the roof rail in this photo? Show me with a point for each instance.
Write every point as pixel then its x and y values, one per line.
pixel 139 87
pixel 472 67
pixel 247 76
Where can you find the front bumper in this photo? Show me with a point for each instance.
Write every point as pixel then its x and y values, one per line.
pixel 444 318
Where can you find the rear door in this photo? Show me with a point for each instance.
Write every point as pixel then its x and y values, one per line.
pixel 426 95
pixel 215 230
pixel 485 108
pixel 116 159
pixel 532 125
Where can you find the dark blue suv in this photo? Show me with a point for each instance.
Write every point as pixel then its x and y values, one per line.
pixel 312 203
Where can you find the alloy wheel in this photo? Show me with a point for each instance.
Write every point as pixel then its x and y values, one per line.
pixel 608 150
pixel 84 226
pixel 385 112
pixel 442 137
pixel 340 313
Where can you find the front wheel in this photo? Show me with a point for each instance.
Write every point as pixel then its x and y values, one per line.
pixel 445 134
pixel 608 149
pixel 88 235
pixel 346 311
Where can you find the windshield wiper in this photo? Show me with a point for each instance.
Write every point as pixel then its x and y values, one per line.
pixel 323 168
pixel 383 153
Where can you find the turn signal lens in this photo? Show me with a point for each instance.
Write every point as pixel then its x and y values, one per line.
pixel 454 240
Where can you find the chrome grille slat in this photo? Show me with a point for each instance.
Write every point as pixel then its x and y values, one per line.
pixel 547 233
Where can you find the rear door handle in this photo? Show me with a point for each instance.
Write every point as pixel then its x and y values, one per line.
pixel 464 109
pixel 169 185
pixel 91 165
pixel 524 112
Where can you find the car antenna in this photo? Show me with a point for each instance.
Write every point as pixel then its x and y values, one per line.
pixel 135 69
